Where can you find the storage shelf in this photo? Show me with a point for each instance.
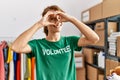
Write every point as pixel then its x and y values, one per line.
pixel 96 21
pixel 95 47
pixel 114 18
pixel 104 48
pixel 95 66
pixel 108 56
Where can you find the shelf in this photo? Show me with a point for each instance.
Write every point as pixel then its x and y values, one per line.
pixel 114 18
pixel 96 21
pixel 116 58
pixel 95 47
pixel 104 48
pixel 95 66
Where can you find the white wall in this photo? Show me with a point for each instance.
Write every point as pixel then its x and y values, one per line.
pixel 18 15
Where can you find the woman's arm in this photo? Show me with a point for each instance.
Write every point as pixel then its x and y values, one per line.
pixel 90 36
pixel 20 45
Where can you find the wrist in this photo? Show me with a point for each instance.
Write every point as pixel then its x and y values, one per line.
pixel 38 24
pixel 72 19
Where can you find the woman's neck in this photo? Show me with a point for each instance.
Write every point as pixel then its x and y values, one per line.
pixel 53 37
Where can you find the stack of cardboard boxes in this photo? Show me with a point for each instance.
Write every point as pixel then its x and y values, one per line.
pixel 91 58
pixel 110 8
pixel 118 46
pixel 103 10
pixel 107 8
pixel 80 68
pixel 92 14
pixel 100 30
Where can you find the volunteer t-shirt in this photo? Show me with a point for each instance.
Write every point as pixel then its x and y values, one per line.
pixel 55 60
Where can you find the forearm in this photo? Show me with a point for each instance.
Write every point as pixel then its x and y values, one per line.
pixel 23 39
pixel 85 30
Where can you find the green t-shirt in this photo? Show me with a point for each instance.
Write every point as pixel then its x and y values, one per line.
pixel 55 60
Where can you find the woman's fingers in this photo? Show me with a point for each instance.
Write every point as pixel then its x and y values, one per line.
pixel 64 16
pixel 55 17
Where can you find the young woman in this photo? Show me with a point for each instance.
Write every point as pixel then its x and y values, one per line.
pixel 55 53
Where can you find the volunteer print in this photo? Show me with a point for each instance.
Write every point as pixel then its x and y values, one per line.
pixel 58 51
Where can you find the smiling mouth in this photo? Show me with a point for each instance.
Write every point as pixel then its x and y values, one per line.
pixel 56 26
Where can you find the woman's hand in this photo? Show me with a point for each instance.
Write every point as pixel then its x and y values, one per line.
pixel 55 17
pixel 64 16
pixel 45 21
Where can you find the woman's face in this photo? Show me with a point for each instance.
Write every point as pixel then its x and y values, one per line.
pixel 54 18
pixel 55 29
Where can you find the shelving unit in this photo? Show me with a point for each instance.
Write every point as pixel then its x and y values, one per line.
pixel 106 43
pixel 114 19
pixel 95 47
pixel 113 57
pixel 95 66
pixel 103 48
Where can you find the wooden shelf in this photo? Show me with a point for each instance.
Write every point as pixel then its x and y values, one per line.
pixel 112 57
pixel 95 47
pixel 95 66
pixel 104 48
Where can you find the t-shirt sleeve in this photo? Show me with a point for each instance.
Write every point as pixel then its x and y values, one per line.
pixel 32 44
pixel 74 41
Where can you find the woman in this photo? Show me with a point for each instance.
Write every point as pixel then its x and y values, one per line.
pixel 55 53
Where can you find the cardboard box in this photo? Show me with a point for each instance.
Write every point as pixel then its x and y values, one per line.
pixel 92 73
pixel 110 64
pixel 85 16
pixel 88 53
pixel 99 29
pixel 111 8
pixel 113 64
pixel 92 13
pixel 118 46
pixel 81 74
pixel 105 9
pixel 79 60
pixel 96 12
pixel 100 77
pixel 112 27
pixel 107 67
